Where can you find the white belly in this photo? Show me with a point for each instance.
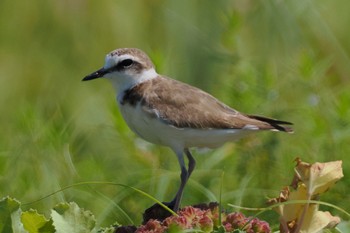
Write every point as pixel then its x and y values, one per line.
pixel 156 131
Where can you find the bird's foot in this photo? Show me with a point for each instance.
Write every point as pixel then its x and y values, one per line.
pixel 158 212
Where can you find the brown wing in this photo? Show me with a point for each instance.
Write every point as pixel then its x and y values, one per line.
pixel 189 107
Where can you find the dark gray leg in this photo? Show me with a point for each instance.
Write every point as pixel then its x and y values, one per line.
pixel 191 162
pixel 185 175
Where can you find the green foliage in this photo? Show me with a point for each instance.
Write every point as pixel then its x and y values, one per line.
pixel 65 217
pixel 297 205
pixel 9 215
pixel 285 59
pixel 69 217
pixel 34 222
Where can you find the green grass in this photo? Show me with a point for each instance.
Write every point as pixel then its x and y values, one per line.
pixel 285 59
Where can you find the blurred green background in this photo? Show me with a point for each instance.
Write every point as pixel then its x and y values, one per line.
pixel 284 59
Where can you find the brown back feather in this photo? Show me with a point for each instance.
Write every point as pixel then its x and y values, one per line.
pixel 180 109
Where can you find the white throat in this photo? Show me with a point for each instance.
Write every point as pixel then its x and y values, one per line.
pixel 123 82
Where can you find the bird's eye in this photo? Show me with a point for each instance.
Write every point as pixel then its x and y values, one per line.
pixel 126 63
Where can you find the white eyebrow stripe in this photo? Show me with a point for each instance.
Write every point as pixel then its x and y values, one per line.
pixel 112 60
pixel 127 56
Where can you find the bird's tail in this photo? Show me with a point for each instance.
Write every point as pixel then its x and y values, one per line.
pixel 276 124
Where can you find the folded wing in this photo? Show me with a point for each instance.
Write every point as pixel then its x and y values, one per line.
pixel 184 106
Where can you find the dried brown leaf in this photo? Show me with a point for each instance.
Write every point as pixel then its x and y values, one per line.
pixel 319 177
pixel 309 182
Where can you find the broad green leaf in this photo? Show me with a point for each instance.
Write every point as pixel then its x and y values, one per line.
pixel 10 213
pixel 36 223
pixel 68 217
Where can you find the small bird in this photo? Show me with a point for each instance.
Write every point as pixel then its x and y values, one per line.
pixel 168 112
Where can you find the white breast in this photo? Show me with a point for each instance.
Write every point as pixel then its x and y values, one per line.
pixel 156 131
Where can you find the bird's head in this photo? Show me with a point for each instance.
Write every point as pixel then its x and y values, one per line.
pixel 125 68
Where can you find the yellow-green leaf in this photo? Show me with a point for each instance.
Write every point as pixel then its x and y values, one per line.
pixel 36 223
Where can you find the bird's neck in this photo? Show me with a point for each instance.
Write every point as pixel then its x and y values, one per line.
pixel 125 82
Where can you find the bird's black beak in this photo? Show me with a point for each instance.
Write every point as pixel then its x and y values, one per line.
pixel 97 74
